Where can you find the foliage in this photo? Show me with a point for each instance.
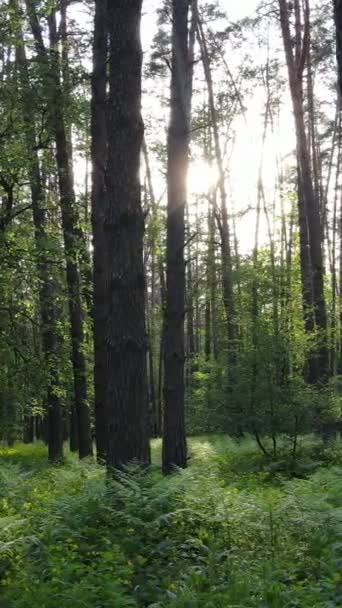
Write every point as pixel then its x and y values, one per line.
pixel 226 532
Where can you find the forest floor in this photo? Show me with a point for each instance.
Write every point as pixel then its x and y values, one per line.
pixel 235 530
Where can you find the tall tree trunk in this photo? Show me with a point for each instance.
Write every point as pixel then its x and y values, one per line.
pixel 47 284
pixel 333 324
pixel 339 369
pixel 99 156
pixel 157 269
pixel 28 434
pixel 152 400
pixel 308 199
pixel 213 279
pixel 190 310
pixel 72 248
pixel 208 307
pixel 222 215
pixel 338 25
pixel 85 269
pixel 51 63
pixel 174 439
pixel 123 230
pixel 73 438
pixel 312 131
pixel 311 366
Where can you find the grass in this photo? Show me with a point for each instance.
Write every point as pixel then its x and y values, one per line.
pixel 232 531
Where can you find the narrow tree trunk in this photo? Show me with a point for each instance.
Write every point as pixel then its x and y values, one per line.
pixel 28 435
pixel 47 282
pixel 99 154
pixel 213 280
pixel 339 368
pixel 312 132
pixel 174 440
pixel 208 310
pixel 190 310
pixel 72 248
pixel 311 230
pixel 338 25
pixel 85 269
pixel 73 439
pixel 339 282
pixel 152 400
pixel 51 62
pixel 157 269
pixel 222 216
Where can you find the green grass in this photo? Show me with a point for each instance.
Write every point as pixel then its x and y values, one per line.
pixel 232 531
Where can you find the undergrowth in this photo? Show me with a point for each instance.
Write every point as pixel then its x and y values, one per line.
pixel 233 531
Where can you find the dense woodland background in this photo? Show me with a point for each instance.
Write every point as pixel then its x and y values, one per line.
pixel 236 178
pixel 170 302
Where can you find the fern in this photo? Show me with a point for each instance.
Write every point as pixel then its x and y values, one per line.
pixel 224 533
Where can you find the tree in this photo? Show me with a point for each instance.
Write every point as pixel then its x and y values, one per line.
pixel 50 62
pixel 222 214
pixel 48 286
pixel 174 441
pixel 99 151
pixel 311 233
pixel 125 378
pixel 338 27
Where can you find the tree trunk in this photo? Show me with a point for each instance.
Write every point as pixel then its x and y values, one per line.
pixel 85 269
pixel 153 407
pixel 222 215
pixel 73 439
pixel 51 62
pixel 208 308
pixel 99 154
pixel 47 283
pixel 123 230
pixel 157 268
pixel 190 347
pixel 28 434
pixel 174 439
pixel 308 200
pixel 338 25
pixel 72 249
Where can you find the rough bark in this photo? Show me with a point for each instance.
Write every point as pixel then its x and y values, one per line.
pixel 99 153
pixel 174 439
pixel 123 229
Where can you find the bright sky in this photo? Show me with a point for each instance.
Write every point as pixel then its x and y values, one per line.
pixel 245 157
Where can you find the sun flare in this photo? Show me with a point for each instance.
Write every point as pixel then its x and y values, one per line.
pixel 201 177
